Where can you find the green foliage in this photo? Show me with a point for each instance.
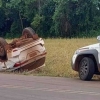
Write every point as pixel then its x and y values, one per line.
pixel 2 19
pixel 51 18
pixel 36 21
pixel 16 28
pixel 60 18
pixel 47 22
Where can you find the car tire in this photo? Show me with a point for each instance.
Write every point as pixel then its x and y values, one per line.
pixel 29 33
pixel 3 52
pixel 86 69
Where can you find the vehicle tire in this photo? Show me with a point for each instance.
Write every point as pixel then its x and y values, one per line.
pixel 86 69
pixel 29 33
pixel 3 52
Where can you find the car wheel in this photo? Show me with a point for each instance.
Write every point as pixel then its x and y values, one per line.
pixel 29 33
pixel 3 43
pixel 86 69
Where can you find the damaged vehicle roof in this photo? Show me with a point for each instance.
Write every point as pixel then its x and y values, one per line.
pixel 27 52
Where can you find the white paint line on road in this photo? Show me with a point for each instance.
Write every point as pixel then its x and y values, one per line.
pixel 51 90
pixel 80 92
pixel 21 87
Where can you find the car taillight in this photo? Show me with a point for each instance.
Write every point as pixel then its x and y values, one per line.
pixel 41 44
pixel 15 50
pixel 17 64
pixel 20 63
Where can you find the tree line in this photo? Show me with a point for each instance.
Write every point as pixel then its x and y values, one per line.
pixel 50 18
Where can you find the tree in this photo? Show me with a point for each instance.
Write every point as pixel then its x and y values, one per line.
pixel 73 17
pixel 60 18
pixel 47 11
pixel 51 18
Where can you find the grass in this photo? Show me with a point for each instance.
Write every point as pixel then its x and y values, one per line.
pixel 58 59
pixel 59 53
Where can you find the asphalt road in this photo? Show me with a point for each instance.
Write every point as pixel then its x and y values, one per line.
pixel 20 87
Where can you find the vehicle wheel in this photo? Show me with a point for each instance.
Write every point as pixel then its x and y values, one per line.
pixel 29 33
pixel 3 43
pixel 86 69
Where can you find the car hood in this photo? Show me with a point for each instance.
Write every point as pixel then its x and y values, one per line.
pixel 93 46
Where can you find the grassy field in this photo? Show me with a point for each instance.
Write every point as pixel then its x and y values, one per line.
pixel 59 53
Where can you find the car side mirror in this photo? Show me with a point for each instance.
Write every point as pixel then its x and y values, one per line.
pixel 98 38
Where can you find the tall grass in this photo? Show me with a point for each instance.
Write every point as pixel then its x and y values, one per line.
pixel 59 53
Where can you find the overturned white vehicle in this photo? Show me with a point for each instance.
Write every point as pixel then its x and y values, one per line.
pixel 26 53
